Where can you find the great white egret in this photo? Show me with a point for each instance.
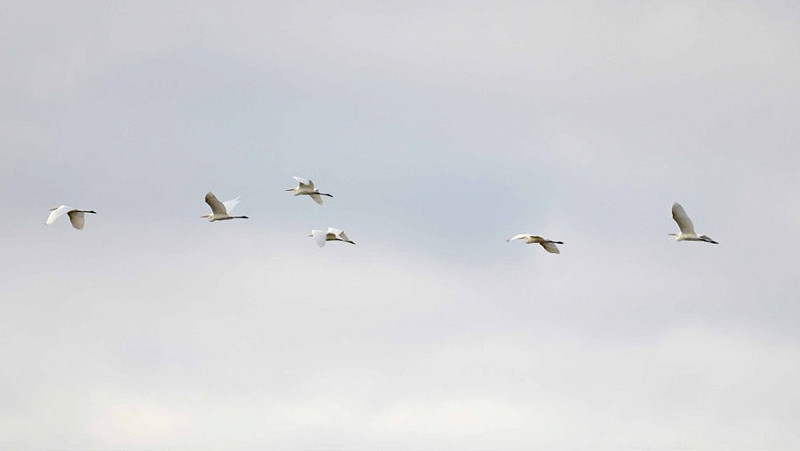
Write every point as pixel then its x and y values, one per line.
pixel 321 236
pixel 305 187
pixel 686 226
pixel 548 245
pixel 221 211
pixel 75 216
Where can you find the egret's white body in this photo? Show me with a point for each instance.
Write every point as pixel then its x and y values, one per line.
pixel 305 187
pixel 75 216
pixel 220 211
pixel 321 236
pixel 686 226
pixel 548 245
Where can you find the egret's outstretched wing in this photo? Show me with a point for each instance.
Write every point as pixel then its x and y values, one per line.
pixel 344 236
pixel 317 198
pixel 76 218
pixel 550 247
pixel 680 216
pixel 519 237
pixel 319 237
pixel 217 207
pixel 57 213
pixel 305 184
pixel 231 204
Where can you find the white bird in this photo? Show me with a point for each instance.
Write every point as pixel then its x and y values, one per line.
pixel 321 236
pixel 548 245
pixel 305 187
pixel 686 226
pixel 221 211
pixel 75 216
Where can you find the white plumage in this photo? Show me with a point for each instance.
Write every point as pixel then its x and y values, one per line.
pixel 322 236
pixel 548 245
pixel 220 211
pixel 76 217
pixel 305 187
pixel 686 226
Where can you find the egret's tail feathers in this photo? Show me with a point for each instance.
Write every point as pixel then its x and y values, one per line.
pixel 707 239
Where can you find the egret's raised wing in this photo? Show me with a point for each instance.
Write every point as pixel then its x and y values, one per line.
pixel 217 207
pixel 76 218
pixel 344 236
pixel 317 198
pixel 231 204
pixel 319 237
pixel 304 183
pixel 57 213
pixel 550 247
pixel 680 216
pixel 519 237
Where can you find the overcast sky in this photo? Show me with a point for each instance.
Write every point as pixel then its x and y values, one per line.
pixel 442 129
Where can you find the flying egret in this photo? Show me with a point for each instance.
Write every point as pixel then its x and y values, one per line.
pixel 305 187
pixel 321 236
pixel 221 211
pixel 686 226
pixel 548 245
pixel 75 216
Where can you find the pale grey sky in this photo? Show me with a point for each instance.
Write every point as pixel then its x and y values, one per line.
pixel 441 128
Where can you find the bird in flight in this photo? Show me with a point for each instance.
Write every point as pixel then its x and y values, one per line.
pixel 75 216
pixel 686 226
pixel 220 211
pixel 548 245
pixel 321 236
pixel 305 187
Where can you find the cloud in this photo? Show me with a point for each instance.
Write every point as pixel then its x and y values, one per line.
pixel 691 387
pixel 442 129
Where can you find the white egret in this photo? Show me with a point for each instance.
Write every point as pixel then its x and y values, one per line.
pixel 321 236
pixel 221 211
pixel 75 216
pixel 548 245
pixel 686 226
pixel 305 187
